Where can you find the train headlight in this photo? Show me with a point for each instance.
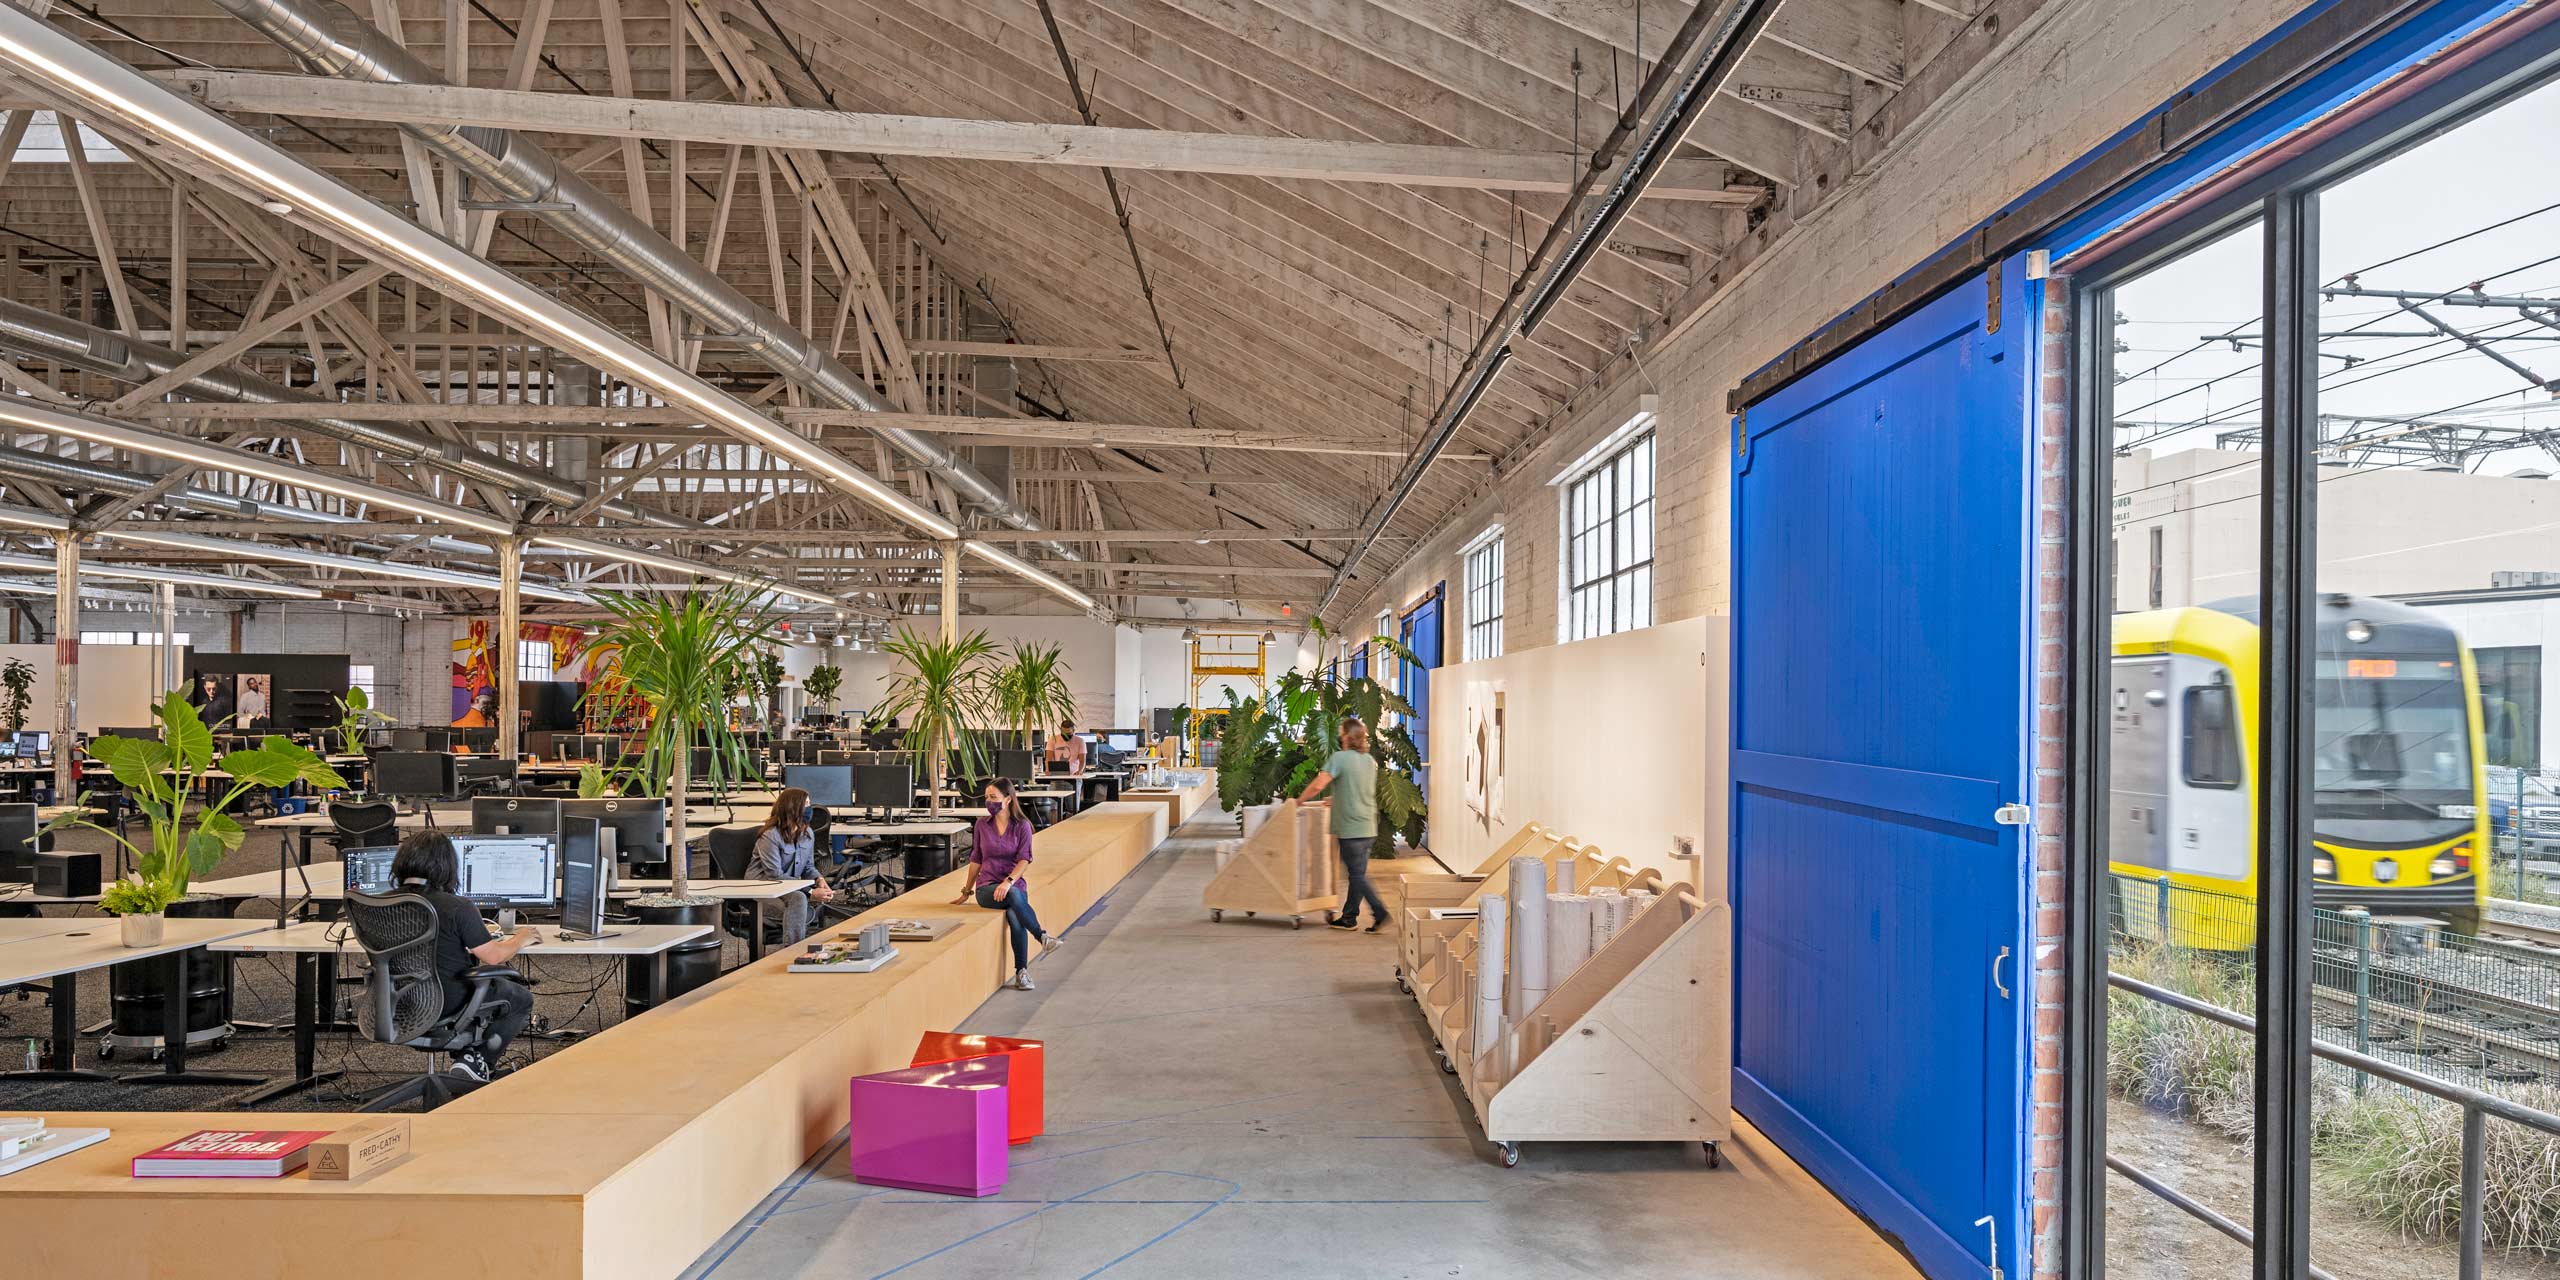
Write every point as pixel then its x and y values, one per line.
pixel 2359 631
pixel 2324 866
pixel 2386 870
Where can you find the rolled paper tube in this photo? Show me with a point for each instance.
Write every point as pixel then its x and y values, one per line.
pixel 1564 876
pixel 1254 816
pixel 1568 934
pixel 1492 925
pixel 1527 983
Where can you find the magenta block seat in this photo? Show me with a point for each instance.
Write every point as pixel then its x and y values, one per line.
pixel 939 1127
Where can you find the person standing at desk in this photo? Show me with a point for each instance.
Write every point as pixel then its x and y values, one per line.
pixel 787 849
pixel 998 857
pixel 426 863
pixel 1352 774
pixel 1066 751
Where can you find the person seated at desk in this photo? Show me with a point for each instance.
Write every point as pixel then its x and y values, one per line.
pixel 786 849
pixel 426 863
pixel 997 859
pixel 1066 751
pixel 888 737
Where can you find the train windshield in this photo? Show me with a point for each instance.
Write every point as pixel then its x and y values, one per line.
pixel 2392 739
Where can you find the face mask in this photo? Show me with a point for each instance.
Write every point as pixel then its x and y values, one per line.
pixel 994 807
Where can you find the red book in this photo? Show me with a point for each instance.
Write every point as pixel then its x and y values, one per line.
pixel 229 1153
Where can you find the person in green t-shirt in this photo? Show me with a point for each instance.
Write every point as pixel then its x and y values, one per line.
pixel 1352 775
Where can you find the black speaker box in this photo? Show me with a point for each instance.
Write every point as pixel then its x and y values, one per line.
pixel 66 875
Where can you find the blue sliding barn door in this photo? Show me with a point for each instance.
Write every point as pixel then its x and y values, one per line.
pixel 1882 567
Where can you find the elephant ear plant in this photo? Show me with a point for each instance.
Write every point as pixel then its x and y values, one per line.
pixel 355 715
pixel 678 658
pixel 158 777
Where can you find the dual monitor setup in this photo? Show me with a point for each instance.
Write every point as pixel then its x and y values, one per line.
pixel 26 744
pixel 539 853
pixel 883 786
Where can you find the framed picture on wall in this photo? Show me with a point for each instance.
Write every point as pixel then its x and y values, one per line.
pixel 257 699
pixel 211 693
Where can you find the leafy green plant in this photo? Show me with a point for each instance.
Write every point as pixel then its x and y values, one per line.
pixel 768 675
pixel 822 685
pixel 135 896
pixel 18 679
pixel 943 690
pixel 679 659
pixel 1030 688
pixel 159 776
pixel 1275 747
pixel 593 783
pixel 355 715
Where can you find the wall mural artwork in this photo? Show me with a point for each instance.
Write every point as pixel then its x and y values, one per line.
pixel 575 658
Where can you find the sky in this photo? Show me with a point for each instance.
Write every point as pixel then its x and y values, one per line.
pixel 2383 227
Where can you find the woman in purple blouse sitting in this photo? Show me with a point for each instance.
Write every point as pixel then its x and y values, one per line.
pixel 1000 854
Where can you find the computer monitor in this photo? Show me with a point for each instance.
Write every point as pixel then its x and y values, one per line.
pixel 697 766
pixel 515 816
pixel 472 739
pixel 509 871
pixel 586 876
pixel 18 842
pixel 1017 765
pixel 146 733
pixel 800 751
pixel 415 775
pixel 827 784
pixel 369 868
pixel 841 757
pixel 602 748
pixel 32 743
pixel 638 824
pixel 1124 743
pixel 409 740
pixel 884 786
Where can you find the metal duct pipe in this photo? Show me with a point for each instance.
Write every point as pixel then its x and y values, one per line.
pixel 29 332
pixel 75 474
pixel 333 41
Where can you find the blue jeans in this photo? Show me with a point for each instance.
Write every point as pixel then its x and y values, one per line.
pixel 1355 868
pixel 1018 919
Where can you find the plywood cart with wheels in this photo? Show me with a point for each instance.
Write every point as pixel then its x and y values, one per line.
pixel 1286 869
pixel 1634 1045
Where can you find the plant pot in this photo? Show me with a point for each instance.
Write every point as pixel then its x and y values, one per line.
pixel 688 964
pixel 141 929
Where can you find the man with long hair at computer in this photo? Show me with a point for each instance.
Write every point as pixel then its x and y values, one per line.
pixel 426 863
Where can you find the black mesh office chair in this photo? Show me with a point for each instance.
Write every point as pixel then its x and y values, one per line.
pixel 404 1000
pixel 733 850
pixel 364 826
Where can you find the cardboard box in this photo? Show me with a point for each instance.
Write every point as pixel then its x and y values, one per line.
pixel 361 1150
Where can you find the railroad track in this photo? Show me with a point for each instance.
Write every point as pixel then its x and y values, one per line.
pixel 2522 934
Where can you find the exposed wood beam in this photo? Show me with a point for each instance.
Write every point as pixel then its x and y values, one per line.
pixel 1002 141
pixel 257 331
pixel 1033 351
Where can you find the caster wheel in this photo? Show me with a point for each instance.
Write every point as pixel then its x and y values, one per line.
pixel 1448 1067
pixel 1249 915
pixel 106 1052
pixel 1215 915
pixel 1715 1156
pixel 1510 1152
pixel 1296 923
pixel 1402 985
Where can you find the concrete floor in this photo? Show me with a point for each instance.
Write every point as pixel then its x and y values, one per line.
pixel 1241 1099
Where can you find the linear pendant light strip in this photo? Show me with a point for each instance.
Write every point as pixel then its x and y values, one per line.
pixel 42 564
pixel 169 124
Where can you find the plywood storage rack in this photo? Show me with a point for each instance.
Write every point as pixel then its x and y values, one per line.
pixel 1285 869
pixel 1635 1045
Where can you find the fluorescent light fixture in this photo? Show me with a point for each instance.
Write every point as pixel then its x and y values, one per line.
pixel 1022 568
pixel 25 519
pixel 322 559
pixel 36 417
pixel 127 572
pixel 21 586
pixel 626 555
pixel 102 86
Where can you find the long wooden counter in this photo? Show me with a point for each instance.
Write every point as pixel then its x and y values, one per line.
pixel 625 1155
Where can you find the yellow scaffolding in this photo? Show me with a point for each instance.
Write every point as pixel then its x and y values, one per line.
pixel 1217 655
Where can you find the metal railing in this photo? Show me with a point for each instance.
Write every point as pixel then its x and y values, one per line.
pixel 2476 1106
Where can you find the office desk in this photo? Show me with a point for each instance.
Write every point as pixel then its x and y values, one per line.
pixel 316 945
pixel 61 950
pixel 918 829
pixel 456 819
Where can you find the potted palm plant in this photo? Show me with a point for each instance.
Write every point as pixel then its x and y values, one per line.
pixel 942 691
pixel 677 660
pixel 1030 689
pixel 158 777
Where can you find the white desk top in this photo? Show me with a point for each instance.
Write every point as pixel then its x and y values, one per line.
pixel 1036 793
pixel 40 949
pixel 457 818
pixel 328 881
pixel 331 935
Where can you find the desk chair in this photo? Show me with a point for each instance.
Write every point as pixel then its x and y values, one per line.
pixel 404 1001
pixel 733 851
pixel 364 826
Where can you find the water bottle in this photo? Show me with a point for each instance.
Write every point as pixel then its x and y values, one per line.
pixel 34 1063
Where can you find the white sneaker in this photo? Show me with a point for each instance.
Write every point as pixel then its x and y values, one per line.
pixel 1021 980
pixel 1047 945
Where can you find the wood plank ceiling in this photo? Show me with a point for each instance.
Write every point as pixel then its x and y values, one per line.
pixel 1290 340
